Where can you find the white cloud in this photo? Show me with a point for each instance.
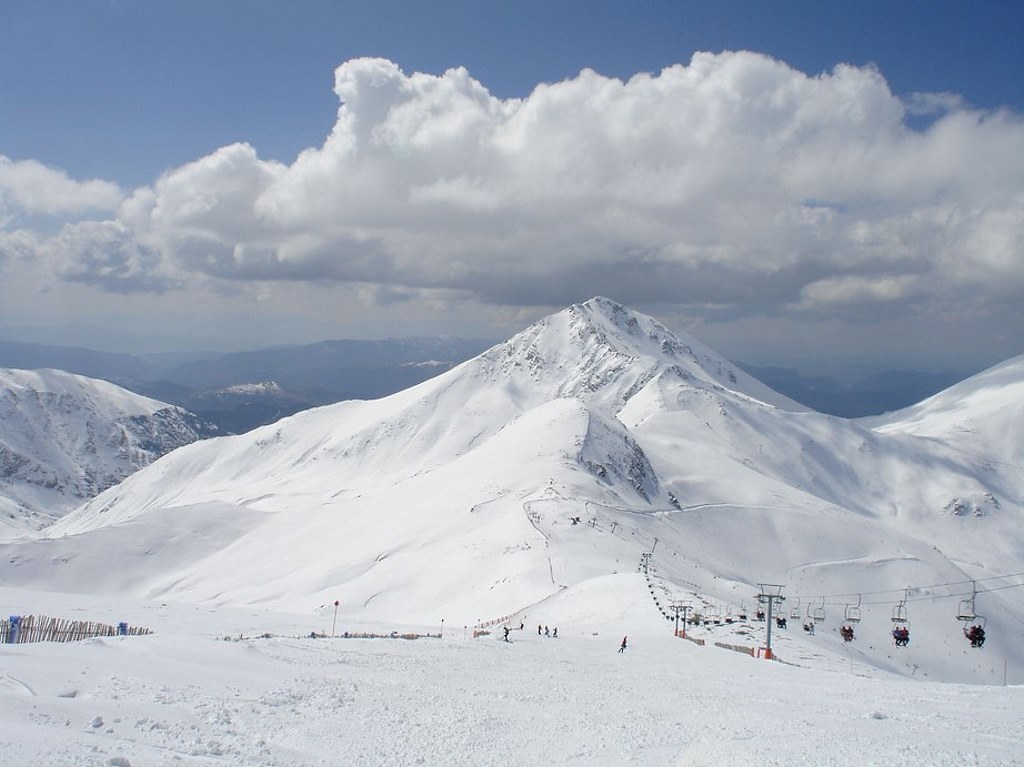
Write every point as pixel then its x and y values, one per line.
pixel 29 187
pixel 856 291
pixel 735 181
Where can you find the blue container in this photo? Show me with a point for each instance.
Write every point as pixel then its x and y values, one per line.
pixel 14 629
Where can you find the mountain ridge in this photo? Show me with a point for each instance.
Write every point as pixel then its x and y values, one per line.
pixel 68 437
pixel 558 456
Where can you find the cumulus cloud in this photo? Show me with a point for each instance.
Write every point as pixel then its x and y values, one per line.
pixel 29 187
pixel 735 180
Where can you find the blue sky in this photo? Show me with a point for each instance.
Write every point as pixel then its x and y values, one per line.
pixel 124 90
pixel 98 100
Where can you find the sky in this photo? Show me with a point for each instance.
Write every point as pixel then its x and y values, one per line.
pixel 807 184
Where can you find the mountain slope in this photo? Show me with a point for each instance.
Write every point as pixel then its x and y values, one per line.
pixel 65 438
pixel 980 416
pixel 568 453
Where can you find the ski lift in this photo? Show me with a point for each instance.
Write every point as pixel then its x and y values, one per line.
pixel 817 613
pixel 899 611
pixel 794 612
pixel 976 632
pixel 853 612
pixel 965 612
pixel 900 625
pixel 743 611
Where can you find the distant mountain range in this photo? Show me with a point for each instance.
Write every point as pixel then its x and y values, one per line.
pixel 592 443
pixel 242 390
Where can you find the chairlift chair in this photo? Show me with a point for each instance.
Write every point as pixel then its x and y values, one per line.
pixel 977 623
pixel 853 612
pixel 965 612
pixel 794 613
pixel 899 611
pixel 817 613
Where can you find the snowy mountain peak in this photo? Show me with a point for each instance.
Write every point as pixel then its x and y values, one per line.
pixel 602 351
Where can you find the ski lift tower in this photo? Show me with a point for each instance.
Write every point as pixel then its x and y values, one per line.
pixel 770 593
pixel 678 607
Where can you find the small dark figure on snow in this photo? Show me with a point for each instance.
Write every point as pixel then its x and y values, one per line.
pixel 555 633
pixel 506 633
pixel 901 635
pixel 846 632
pixel 622 647
pixel 538 630
pixel 547 633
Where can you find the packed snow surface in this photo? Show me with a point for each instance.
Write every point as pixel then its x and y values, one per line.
pixel 195 694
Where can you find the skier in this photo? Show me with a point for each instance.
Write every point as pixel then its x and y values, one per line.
pixel 538 629
pixel 506 633
pixel 554 633
pixel 547 633
pixel 622 647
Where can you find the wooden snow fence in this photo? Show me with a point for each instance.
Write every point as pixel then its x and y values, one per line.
pixel 688 638
pixel 738 648
pixel 40 628
pixel 753 652
pixel 494 621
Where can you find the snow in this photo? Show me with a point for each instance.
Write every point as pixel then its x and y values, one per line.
pixel 66 437
pixel 586 474
pixel 187 695
pixel 261 388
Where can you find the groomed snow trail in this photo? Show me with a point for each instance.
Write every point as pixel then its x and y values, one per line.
pixel 185 696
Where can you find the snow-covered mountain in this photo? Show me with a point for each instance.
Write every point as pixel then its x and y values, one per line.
pixel 65 438
pixel 560 458
pixel 981 416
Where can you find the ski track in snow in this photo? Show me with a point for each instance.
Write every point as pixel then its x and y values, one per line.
pixel 188 696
